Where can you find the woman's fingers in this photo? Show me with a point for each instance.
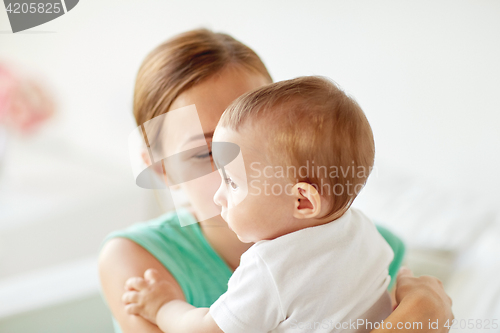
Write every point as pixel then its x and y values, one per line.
pixel 130 297
pixel 404 271
pixel 427 288
pixel 135 283
pixel 152 275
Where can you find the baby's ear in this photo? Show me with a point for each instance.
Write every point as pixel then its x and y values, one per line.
pixel 307 201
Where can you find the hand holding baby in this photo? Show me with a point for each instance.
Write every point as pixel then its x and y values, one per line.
pixel 145 296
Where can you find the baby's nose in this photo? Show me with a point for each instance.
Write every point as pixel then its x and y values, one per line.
pixel 219 196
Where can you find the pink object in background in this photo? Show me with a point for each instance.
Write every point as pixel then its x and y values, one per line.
pixel 24 104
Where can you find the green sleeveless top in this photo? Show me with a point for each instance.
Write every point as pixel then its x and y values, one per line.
pixel 199 270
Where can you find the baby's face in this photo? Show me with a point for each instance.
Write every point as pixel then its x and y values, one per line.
pixel 254 203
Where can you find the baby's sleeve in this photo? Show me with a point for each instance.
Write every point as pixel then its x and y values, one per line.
pixel 251 303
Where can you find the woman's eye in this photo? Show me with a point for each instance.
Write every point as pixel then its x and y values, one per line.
pixel 203 156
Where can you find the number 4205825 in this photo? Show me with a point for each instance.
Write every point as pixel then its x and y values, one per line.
pixel 476 324
pixel 39 7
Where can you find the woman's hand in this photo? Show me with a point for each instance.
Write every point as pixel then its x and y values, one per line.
pixel 420 301
pixel 426 288
pixel 145 296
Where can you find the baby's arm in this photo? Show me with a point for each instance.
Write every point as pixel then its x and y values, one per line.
pixel 152 299
pixel 179 316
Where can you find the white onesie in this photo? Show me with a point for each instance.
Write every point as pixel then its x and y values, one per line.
pixel 327 278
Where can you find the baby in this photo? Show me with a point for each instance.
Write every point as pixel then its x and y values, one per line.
pixel 316 263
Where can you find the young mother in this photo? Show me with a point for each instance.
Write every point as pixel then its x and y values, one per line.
pixel 211 70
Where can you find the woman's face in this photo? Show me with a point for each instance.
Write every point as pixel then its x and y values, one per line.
pixel 211 97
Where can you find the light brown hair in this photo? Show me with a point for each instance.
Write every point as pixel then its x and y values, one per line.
pixel 310 119
pixel 183 61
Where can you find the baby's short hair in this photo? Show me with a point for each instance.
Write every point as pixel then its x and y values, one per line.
pixel 310 121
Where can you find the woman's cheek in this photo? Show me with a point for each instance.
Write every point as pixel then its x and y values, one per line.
pixel 201 196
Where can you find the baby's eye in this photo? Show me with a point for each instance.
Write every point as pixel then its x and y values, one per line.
pixel 230 182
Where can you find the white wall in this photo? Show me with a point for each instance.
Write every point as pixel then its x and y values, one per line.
pixel 426 73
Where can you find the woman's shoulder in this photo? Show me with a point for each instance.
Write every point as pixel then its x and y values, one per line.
pixel 160 233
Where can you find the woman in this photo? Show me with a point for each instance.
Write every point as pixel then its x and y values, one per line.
pixel 210 70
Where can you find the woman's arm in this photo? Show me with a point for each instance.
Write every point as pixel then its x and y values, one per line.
pixel 420 300
pixel 120 259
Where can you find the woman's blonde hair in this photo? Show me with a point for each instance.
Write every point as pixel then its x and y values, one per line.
pixel 183 61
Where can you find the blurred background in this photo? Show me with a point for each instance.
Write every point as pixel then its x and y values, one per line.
pixel 426 73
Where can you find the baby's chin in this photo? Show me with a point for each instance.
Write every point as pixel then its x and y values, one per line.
pixel 243 240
